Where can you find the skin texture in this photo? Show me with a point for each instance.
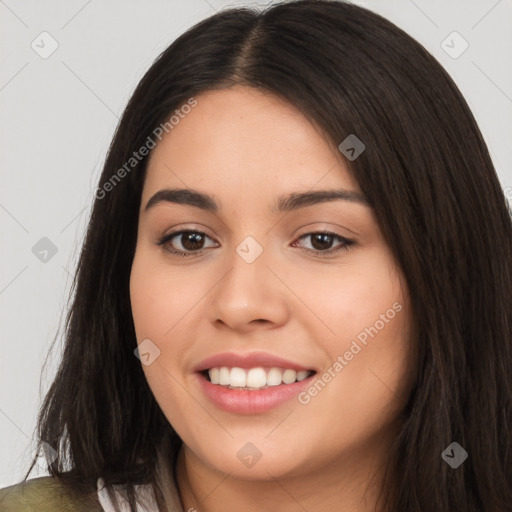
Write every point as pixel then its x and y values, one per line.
pixel 245 147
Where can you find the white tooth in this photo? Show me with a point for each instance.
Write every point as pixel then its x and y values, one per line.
pixel 238 378
pixel 224 379
pixel 256 378
pixel 289 376
pixel 302 375
pixel 214 375
pixel 274 377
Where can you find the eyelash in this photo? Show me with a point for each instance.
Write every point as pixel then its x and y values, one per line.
pixel 346 243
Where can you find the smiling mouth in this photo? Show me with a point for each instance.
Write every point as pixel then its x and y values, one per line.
pixel 253 379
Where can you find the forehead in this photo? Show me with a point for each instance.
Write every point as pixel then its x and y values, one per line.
pixel 245 139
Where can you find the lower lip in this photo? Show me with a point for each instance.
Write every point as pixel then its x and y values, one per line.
pixel 243 401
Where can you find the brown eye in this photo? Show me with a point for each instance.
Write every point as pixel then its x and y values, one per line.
pixel 321 242
pixel 184 243
pixel 191 241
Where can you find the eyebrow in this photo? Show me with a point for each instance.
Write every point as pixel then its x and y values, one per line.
pixel 287 203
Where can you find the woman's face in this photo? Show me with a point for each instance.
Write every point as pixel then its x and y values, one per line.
pixel 258 297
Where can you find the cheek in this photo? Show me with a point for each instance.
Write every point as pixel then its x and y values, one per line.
pixel 364 320
pixel 161 298
pixel 347 299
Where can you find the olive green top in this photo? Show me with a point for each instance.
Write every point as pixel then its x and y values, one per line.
pixel 45 494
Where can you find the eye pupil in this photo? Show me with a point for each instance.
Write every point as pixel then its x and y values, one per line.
pixel 324 240
pixel 191 241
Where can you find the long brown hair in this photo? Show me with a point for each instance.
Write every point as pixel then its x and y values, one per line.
pixel 429 177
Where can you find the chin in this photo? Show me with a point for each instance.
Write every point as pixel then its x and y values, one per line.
pixel 259 459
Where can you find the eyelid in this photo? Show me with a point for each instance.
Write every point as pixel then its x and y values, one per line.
pixel 322 227
pixel 185 228
pixel 169 236
pixel 346 242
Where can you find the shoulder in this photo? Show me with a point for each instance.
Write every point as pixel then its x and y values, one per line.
pixel 44 494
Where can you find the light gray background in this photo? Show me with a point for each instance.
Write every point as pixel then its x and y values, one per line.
pixel 58 117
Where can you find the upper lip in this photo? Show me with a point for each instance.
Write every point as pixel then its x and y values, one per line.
pixel 247 360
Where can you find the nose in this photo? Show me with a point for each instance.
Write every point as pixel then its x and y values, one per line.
pixel 249 296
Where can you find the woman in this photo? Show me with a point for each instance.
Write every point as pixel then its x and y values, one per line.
pixel 295 289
